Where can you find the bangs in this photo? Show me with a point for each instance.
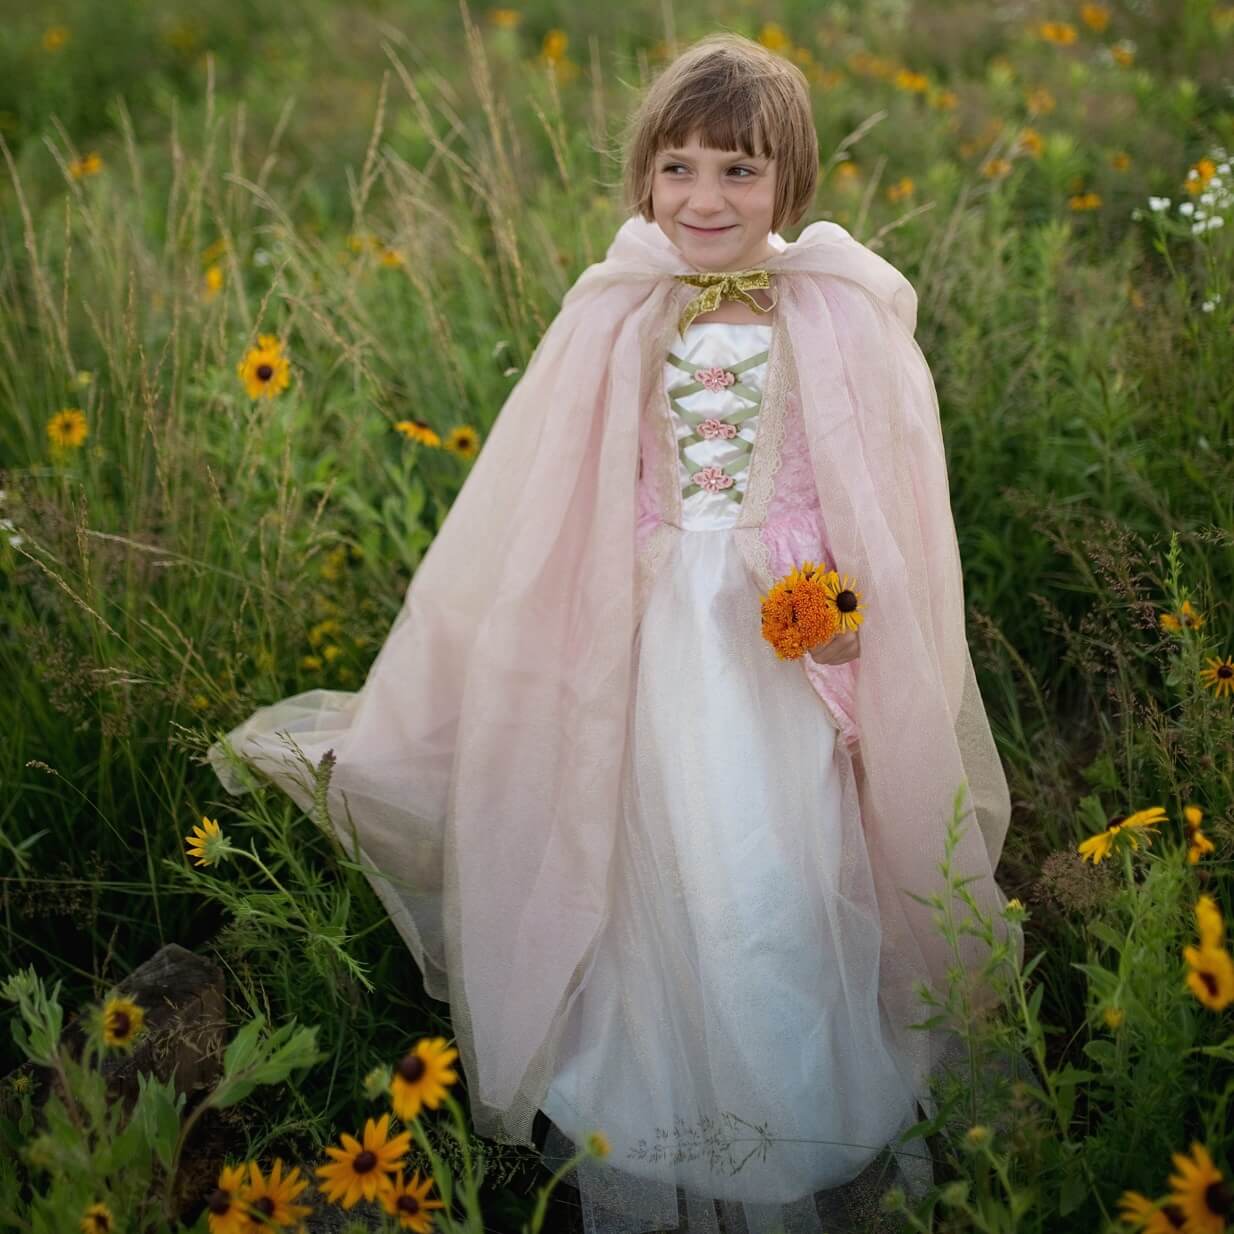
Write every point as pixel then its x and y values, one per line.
pixel 718 125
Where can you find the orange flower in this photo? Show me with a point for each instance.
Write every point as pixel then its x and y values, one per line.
pixel 798 613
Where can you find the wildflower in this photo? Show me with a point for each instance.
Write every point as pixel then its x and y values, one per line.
pixel 55 37
pixel 1039 101
pixel 772 37
pixel 463 441
pixel 915 83
pixel 207 843
pixel 1030 142
pixel 901 188
pixel 1201 1192
pixel 1186 616
pixel 504 19
pixel 332 565
pixel 264 369
pixel 409 1202
pixel 1060 33
pixel 1198 175
pixel 420 1078
pixel 1120 160
pixel 598 1145
pixel 845 600
pixel 1151 1216
pixel 363 1170
pixel 1123 53
pixel 417 430
pixel 1095 16
pixel 995 169
pixel 944 100
pixel 1113 1017
pixel 225 1212
pixel 213 281
pixel 90 165
pixel 1210 975
pixel 555 44
pixel 97 1220
pixel 121 1021
pixel 327 626
pixel 977 1135
pixel 1209 923
pixel 67 429
pixel 1097 847
pixel 270 1200
pixel 82 378
pixel 391 257
pixel 1219 675
pixel 1084 201
pixel 1197 842
pixel 798 613
pixel 313 663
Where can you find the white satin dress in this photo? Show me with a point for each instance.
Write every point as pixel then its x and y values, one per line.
pixel 727 1039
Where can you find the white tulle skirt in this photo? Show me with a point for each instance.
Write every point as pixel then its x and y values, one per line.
pixel 728 1038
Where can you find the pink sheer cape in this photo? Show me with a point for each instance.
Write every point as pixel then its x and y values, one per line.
pixel 477 771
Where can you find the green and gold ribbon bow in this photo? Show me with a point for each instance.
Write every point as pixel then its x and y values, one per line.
pixel 717 287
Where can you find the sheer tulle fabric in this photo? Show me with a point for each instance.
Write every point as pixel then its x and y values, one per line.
pixel 479 768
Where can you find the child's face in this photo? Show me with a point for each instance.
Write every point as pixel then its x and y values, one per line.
pixel 716 206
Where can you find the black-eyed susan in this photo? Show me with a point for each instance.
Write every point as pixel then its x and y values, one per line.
pixel 798 612
pixel 226 1211
pixel 1219 675
pixel 845 599
pixel 1060 33
pixel 408 1201
pixel 463 441
pixel 1186 616
pixel 1201 1192
pixel 1097 847
pixel 271 1201
pixel 554 45
pixel 362 1171
pixel 207 844
pixel 1210 976
pixel 421 1078
pixel 67 429
pixel 417 430
pixel 120 1022
pixel 1150 1216
pixel 1197 842
pixel 265 369
pixel 1208 922
pixel 97 1219
pixel 1095 16
pixel 1084 201
pixel 88 165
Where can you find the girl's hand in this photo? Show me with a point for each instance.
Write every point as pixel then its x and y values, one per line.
pixel 839 650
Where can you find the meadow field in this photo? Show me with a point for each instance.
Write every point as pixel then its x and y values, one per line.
pixel 267 277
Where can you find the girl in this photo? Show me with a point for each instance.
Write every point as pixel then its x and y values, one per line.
pixel 674 888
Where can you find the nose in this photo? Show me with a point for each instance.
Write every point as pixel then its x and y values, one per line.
pixel 705 196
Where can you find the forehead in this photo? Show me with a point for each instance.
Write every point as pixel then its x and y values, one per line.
pixel 692 150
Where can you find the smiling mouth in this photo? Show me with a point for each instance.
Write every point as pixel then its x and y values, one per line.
pixel 707 231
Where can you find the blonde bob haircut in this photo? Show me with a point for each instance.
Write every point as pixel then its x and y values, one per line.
pixel 735 95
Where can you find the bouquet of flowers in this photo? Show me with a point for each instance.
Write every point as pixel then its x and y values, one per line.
pixel 808 606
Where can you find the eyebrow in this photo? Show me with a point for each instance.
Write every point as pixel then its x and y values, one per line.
pixel 738 158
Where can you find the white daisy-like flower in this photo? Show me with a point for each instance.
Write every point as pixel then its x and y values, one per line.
pixel 1158 203
pixel 1188 207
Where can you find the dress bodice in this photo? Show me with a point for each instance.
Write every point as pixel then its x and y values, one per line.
pixel 714 377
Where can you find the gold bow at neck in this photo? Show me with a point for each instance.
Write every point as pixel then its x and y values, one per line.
pixel 717 287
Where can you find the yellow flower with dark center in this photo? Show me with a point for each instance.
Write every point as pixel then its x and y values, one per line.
pixel 391 257
pixel 265 369
pixel 409 1202
pixel 1138 1211
pixel 225 1205
pixel 421 1078
pixel 1186 616
pixel 914 83
pixel 1211 975
pixel 1097 847
pixel 97 1220
pixel 1031 142
pixel 121 1021
pixel 463 441
pixel 417 430
pixel 67 429
pixel 1219 675
pixel 902 188
pixel 55 37
pixel 798 613
pixel 213 281
pixel 362 1171
pixel 207 843
pixel 89 165
pixel 1201 1192
pixel 1084 201
pixel 504 19
pixel 844 599
pixel 270 1201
